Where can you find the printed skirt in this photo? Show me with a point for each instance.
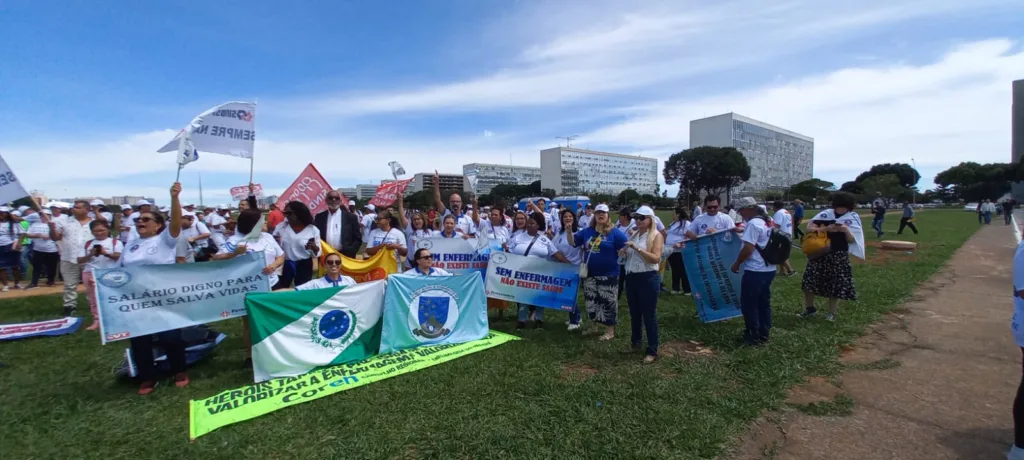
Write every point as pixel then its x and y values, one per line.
pixel 601 295
pixel 830 276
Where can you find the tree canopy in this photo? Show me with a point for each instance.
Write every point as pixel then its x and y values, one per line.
pixel 972 181
pixel 812 190
pixel 710 170
pixel 905 174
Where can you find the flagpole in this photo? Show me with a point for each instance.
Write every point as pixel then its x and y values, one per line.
pixel 252 155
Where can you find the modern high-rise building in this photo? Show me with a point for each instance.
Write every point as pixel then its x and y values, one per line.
pixel 422 181
pixel 350 192
pixel 489 175
pixel 778 157
pixel 1017 133
pixel 572 171
pixel 366 191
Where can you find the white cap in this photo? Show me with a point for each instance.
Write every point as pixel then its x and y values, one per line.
pixel 164 209
pixel 554 205
pixel 644 211
pixel 187 214
pixel 745 202
pixel 107 216
pixel 351 202
pixel 15 213
pixel 5 209
pixel 601 208
pixel 22 208
pixel 143 203
pixel 96 203
pixel 469 206
pixel 48 212
pixel 371 207
pixel 125 206
pixel 53 204
pixel 190 205
pixel 221 207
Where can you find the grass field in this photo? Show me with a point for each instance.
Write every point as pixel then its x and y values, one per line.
pixel 551 395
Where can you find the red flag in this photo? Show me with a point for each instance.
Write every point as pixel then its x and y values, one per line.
pixel 387 193
pixel 310 188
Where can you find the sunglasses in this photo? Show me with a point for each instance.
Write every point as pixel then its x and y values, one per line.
pixel 144 219
pixel 332 263
pixel 710 207
pixel 640 218
pixel 333 198
pixel 428 256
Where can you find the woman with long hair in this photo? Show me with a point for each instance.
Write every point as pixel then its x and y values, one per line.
pixel 386 236
pixel 533 243
pixel 10 248
pixel 675 239
pixel 101 251
pixel 416 228
pixel 572 253
pixel 493 228
pixel 156 245
pixel 643 256
pixel 830 274
pixel 601 242
pixel 518 223
pixel 300 240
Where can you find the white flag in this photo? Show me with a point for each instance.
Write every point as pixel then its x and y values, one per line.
pixel 471 177
pixel 227 129
pixel 254 234
pixel 10 188
pixel 396 169
pixel 187 152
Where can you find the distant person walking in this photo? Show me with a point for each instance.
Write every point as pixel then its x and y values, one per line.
pixel 907 220
pixel 987 208
pixel 1007 210
pixel 878 209
pixel 798 217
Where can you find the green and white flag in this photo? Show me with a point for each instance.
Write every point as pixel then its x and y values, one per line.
pixel 296 332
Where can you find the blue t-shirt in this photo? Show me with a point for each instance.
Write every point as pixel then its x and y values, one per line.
pixel 798 211
pixel 605 260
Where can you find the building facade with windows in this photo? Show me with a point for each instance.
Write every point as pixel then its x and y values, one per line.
pixel 572 171
pixel 423 181
pixel 778 157
pixel 365 191
pixel 489 175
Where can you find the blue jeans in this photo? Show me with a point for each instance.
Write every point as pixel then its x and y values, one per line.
pixel 988 217
pixel 756 304
pixel 26 254
pixel 524 313
pixel 877 225
pixel 642 295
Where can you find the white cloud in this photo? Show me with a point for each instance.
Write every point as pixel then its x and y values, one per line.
pixel 939 113
pixel 488 133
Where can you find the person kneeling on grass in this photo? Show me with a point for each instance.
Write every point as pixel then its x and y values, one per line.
pixel 333 278
pixel 424 265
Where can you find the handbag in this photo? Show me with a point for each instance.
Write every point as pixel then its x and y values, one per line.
pixel 815 244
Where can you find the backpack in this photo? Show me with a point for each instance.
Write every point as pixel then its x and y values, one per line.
pixel 777 250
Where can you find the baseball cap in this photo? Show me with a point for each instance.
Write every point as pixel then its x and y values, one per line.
pixel 351 202
pixel 48 212
pixel 126 206
pixel 745 202
pixel 221 207
pixel 5 209
pixel 143 203
pixel 190 205
pixel 187 214
pixel 644 211
pixel 96 203
pixel 16 213
pixel 164 209
pixel 371 207
pixel 601 208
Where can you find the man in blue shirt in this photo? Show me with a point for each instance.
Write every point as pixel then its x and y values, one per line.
pixel 798 216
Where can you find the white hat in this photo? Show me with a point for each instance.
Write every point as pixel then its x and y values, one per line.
pixel 48 212
pixel 351 202
pixel 15 213
pixel 53 204
pixel 644 211
pixel 221 207
pixel 371 207
pixel 187 214
pixel 96 203
pixel 107 216
pixel 164 209
pixel 125 206
pixel 5 209
pixel 143 203
pixel 744 203
pixel 469 206
pixel 190 205
pixel 22 208
pixel 601 208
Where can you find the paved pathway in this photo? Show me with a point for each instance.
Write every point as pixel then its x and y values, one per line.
pixel 949 396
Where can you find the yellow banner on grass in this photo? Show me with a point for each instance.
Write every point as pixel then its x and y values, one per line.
pixel 375 268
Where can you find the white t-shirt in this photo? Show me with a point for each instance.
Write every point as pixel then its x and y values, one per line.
pixel 718 222
pixel 42 244
pixel 463 223
pixel 183 249
pixel 216 223
pixel 434 271
pixel 412 237
pixel 197 228
pixel 756 233
pixel 625 228
pixel 155 250
pixel 367 223
pixel 9 232
pixel 676 233
pixel 658 225
pixel 73 235
pixel 585 220
pixel 1018 303
pixel 294 244
pixel 379 237
pixel 561 242
pixel 325 282
pixel 110 245
pixel 697 212
pixel 543 247
pixel 783 221
pixel 487 230
pixel 266 243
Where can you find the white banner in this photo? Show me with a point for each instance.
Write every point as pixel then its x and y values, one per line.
pixel 10 188
pixel 228 129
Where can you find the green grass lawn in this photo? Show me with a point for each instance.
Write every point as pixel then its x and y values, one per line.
pixel 551 395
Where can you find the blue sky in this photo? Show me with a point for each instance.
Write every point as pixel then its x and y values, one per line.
pixel 90 90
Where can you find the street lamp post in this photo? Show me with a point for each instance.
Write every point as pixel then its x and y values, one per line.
pixel 913 193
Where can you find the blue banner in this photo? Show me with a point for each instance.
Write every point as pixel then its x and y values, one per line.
pixel 460 256
pixel 61 326
pixel 716 289
pixel 532 281
pixel 422 310
pixel 146 299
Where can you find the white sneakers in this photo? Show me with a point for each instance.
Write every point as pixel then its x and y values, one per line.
pixel 573 327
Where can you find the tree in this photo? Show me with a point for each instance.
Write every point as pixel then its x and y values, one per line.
pixel 888 186
pixel 852 187
pixel 970 181
pixel 628 197
pixel 812 190
pixel 905 174
pixel 711 170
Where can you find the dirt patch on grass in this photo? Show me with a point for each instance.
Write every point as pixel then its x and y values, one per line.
pixel 684 349
pixel 813 390
pixel 884 256
pixel 578 371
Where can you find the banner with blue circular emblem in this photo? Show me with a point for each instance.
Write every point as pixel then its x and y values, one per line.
pixel 433 310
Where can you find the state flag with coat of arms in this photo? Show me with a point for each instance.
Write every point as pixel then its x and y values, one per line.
pixel 296 332
pixel 433 310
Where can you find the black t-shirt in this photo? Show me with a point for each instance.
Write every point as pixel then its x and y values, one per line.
pixel 837 242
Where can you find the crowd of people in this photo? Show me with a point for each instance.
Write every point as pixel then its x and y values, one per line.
pixel 625 254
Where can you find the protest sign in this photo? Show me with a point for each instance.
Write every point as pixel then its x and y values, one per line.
pixel 459 256
pixel 532 281
pixel 716 289
pixel 146 299
pixel 387 193
pixel 61 326
pixel 251 401
pixel 433 310
pixel 10 188
pixel 310 188
pixel 241 192
pixel 227 129
pixel 295 332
